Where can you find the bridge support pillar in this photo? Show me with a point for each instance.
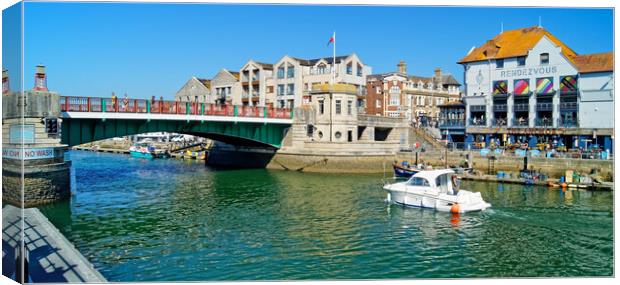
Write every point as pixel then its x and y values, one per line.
pixel 34 170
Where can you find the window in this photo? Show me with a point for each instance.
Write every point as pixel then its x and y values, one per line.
pixel 499 63
pixel 338 107
pixel 378 89
pixel 417 181
pixel 394 90
pixel 359 70
pixel 322 68
pixel 280 72
pixel 321 107
pixel 394 99
pixel 290 89
pixel 378 103
pixel 521 60
pixel 544 58
pixel 350 68
pixel 350 107
pixel 338 135
pixel 290 71
pixel 280 89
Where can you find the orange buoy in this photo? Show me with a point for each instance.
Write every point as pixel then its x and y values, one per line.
pixel 564 185
pixel 455 208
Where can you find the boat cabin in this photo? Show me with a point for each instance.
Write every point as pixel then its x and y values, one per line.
pixel 440 180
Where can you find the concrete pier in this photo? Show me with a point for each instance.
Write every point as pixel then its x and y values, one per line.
pixel 34 171
pixel 50 257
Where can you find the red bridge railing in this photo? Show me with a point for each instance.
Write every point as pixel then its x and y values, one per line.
pixel 121 105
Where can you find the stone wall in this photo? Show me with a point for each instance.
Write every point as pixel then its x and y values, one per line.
pixel 554 167
pixel 42 184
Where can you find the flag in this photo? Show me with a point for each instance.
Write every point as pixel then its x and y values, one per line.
pixel 331 40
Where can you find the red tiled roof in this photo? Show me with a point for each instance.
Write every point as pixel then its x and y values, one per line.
pixel 596 62
pixel 514 43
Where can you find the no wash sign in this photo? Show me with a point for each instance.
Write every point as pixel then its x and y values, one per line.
pixel 28 153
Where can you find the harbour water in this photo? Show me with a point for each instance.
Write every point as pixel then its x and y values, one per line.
pixel 175 220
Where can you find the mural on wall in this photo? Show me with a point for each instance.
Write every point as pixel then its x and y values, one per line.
pixel 568 84
pixel 522 87
pixel 544 85
pixel 500 87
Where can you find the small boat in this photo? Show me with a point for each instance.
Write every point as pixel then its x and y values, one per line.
pixel 404 170
pixel 146 151
pixel 435 189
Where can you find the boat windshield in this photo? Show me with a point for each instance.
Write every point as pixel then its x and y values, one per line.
pixel 417 181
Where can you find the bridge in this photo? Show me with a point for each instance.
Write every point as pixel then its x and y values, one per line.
pixel 88 119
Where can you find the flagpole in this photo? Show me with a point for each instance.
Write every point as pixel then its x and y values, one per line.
pixel 334 62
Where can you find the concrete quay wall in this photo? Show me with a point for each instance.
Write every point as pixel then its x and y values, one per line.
pixel 554 167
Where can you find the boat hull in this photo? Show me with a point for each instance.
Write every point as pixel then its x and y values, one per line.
pixel 400 171
pixel 148 155
pixel 467 201
pixel 138 154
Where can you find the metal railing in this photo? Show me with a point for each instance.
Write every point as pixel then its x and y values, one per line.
pixel 108 105
pixel 569 106
pixel 574 123
pixel 451 123
pixel 500 108
pixel 544 106
pixel 521 107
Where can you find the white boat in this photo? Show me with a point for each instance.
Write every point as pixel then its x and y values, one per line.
pixel 435 189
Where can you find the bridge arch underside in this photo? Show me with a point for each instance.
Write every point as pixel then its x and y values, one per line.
pixel 80 131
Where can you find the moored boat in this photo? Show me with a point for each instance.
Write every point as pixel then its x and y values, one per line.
pixel 146 151
pixel 436 189
pixel 404 170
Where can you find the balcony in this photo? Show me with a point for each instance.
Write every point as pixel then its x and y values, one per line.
pixel 569 106
pixel 544 122
pixel 478 108
pixel 500 108
pixel 564 123
pixel 520 123
pixel 544 106
pixel 452 124
pixel 477 122
pixel 521 107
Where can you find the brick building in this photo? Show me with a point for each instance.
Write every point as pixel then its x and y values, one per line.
pixel 397 94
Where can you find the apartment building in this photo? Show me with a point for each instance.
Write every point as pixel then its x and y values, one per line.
pixel 226 88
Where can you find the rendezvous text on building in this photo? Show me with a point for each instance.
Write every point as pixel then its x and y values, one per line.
pixel 527 86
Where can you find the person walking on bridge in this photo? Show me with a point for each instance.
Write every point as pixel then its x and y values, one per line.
pixel 114 105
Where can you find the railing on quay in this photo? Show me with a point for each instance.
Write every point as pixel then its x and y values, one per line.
pixel 118 105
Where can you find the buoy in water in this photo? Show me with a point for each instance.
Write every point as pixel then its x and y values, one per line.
pixel 564 185
pixel 455 208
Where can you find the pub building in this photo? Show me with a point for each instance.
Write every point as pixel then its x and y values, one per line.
pixel 525 86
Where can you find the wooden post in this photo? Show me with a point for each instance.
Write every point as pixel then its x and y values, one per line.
pixel 88 104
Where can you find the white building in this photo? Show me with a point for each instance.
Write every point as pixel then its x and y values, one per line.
pixel 526 85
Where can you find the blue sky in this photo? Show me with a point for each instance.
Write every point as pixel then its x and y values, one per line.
pixel 92 49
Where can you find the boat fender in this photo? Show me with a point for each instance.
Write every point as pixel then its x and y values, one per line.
pixel 455 208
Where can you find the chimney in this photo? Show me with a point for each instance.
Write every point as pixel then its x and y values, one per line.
pixel 438 73
pixel 40 79
pixel 5 82
pixel 402 67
